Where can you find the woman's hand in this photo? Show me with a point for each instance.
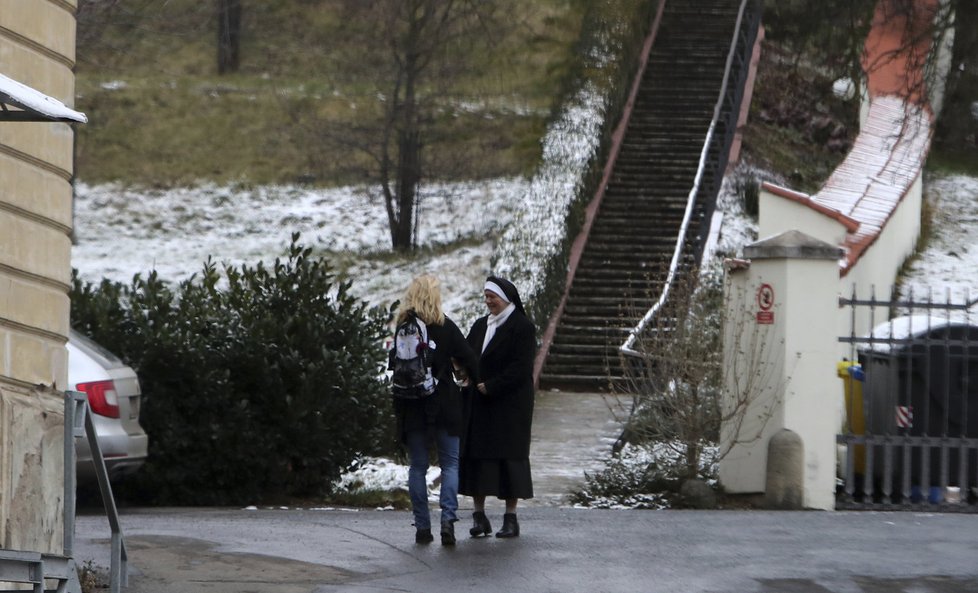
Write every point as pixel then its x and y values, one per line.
pixel 482 388
pixel 460 374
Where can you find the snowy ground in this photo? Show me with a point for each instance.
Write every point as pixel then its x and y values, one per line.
pixel 121 232
pixel 949 265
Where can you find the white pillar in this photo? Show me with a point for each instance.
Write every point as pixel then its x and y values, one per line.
pixel 780 347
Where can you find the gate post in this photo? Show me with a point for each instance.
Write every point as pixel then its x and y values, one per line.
pixel 780 350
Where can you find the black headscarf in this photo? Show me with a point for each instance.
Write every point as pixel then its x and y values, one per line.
pixel 512 295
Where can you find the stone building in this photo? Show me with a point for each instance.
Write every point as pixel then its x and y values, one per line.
pixel 37 58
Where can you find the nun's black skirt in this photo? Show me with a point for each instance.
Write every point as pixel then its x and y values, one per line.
pixel 502 478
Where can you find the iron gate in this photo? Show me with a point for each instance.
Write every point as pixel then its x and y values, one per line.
pixel 910 433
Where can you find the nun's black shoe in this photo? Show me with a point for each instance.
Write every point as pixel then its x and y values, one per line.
pixel 511 527
pixel 423 536
pixel 480 524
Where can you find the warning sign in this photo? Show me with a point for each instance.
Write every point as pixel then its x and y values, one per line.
pixel 765 302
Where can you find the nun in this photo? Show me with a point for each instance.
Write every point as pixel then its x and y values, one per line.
pixel 496 442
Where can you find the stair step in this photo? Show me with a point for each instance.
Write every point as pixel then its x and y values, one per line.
pixel 618 204
pixel 569 382
pixel 647 262
pixel 616 217
pixel 601 323
pixel 647 286
pixel 588 335
pixel 642 299
pixel 628 249
pixel 637 208
pixel 590 343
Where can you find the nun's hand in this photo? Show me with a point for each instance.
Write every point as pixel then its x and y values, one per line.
pixel 482 388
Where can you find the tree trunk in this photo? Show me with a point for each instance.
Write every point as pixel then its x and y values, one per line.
pixel 957 126
pixel 228 36
pixel 409 175
pixel 408 171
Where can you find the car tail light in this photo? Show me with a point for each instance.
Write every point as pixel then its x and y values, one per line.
pixel 102 397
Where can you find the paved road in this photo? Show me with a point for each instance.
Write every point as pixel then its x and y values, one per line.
pixel 562 549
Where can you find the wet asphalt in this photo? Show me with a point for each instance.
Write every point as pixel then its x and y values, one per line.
pixel 560 549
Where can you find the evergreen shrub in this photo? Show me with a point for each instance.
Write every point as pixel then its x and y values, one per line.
pixel 260 383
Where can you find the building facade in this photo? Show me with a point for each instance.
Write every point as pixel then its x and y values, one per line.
pixel 37 49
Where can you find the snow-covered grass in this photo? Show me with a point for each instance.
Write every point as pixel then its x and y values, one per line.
pixel 123 231
pixel 948 267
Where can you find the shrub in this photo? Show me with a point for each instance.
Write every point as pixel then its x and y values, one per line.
pixel 261 383
pixel 750 195
pixel 646 476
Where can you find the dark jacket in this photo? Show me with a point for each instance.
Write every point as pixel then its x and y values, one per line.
pixel 444 408
pixel 499 422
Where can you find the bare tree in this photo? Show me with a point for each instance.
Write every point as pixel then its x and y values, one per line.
pixel 411 55
pixel 679 390
pixel 833 33
pixel 957 130
pixel 228 36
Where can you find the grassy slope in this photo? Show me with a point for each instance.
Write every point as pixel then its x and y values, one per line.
pixel 174 121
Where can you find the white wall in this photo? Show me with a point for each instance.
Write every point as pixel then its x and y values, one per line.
pixel 777 214
pixel 874 274
pixel 796 362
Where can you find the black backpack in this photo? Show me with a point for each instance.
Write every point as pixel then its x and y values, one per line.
pixel 410 359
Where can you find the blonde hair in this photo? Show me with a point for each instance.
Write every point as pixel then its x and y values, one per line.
pixel 423 296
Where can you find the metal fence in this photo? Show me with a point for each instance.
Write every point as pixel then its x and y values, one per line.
pixel 910 434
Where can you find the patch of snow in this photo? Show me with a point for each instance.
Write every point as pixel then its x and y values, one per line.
pixel 114 85
pixel 894 334
pixel 948 266
pixel 381 474
pixel 27 97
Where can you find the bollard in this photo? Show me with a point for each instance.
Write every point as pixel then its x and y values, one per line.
pixel 785 484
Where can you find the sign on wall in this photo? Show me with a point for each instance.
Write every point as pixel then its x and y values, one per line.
pixel 765 304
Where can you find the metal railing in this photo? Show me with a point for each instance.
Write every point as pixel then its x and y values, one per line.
pixel 34 568
pixel 910 439
pixel 702 198
pixel 78 423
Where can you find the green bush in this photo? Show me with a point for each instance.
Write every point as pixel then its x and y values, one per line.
pixel 261 384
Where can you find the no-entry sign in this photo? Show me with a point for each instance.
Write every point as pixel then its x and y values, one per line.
pixel 765 302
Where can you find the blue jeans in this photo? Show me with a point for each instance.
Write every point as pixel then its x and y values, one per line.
pixel 417 484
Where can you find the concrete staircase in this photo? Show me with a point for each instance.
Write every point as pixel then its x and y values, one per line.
pixel 625 261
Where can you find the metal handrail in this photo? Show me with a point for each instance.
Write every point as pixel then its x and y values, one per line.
pixel 78 416
pixel 627 347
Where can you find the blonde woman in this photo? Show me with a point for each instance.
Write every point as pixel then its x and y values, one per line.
pixel 438 417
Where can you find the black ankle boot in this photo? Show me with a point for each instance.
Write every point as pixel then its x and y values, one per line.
pixel 447 533
pixel 480 525
pixel 423 536
pixel 511 527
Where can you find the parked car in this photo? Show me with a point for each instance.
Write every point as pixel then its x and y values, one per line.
pixel 114 398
